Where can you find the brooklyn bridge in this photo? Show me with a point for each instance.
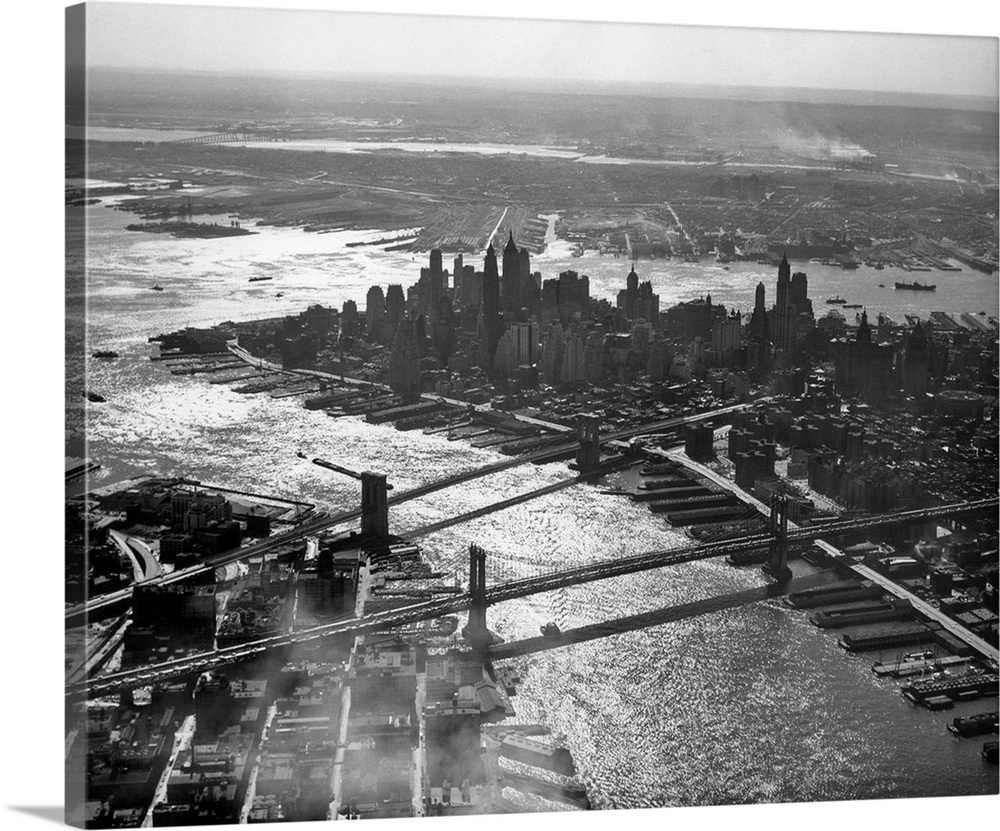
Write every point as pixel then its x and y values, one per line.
pixel 480 596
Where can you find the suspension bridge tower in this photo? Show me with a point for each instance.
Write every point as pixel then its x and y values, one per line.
pixel 777 555
pixel 588 433
pixel 476 632
pixel 374 504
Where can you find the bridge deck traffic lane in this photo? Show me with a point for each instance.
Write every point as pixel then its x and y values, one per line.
pixel 864 572
pixel 429 609
pixel 657 617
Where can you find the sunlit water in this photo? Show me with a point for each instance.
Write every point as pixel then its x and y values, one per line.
pixel 746 705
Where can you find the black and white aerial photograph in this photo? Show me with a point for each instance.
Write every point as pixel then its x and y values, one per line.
pixel 481 415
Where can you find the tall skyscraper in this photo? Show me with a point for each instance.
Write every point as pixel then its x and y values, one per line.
pixel 491 306
pixel 758 322
pixel 375 313
pixel 631 294
pixel 510 283
pixel 916 362
pixel 458 277
pixel 782 307
pixel 395 309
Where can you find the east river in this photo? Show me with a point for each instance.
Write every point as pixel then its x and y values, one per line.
pixel 750 704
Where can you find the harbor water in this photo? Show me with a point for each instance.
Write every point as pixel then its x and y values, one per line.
pixel 749 704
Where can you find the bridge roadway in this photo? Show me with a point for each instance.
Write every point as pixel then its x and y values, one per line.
pixel 78 615
pixel 862 571
pixel 426 610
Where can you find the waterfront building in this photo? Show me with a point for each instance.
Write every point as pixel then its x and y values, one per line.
pixel 404 360
pixel 350 322
pixel 565 297
pixel 864 368
pixel 690 319
pixel 375 313
pixel 395 309
pixel 648 304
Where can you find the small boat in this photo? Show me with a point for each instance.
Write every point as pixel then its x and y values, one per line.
pixel 157 288
pixel 301 455
pixel 881 285
pixel 104 353
pixel 93 396
pixel 838 300
pixel 280 294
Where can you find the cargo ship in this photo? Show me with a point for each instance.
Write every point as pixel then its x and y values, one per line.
pixel 914 286
pixel 975 725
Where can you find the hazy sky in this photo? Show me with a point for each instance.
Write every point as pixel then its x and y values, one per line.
pixel 243 39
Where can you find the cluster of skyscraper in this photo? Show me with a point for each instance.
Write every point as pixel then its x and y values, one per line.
pixel 504 323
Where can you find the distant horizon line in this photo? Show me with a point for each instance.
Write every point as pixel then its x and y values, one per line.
pixel 575 85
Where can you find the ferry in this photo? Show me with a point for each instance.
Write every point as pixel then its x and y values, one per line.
pixel 915 286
